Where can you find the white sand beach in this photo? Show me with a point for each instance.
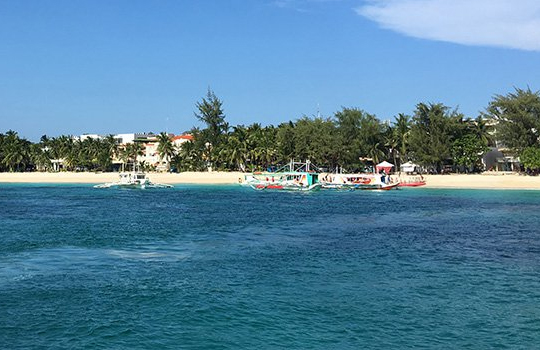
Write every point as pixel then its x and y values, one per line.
pixel 487 180
pixel 96 178
pixel 477 181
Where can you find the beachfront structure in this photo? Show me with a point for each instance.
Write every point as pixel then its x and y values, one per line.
pixel 150 156
pixel 496 160
pixel 87 136
pixel 123 139
pixel 499 157
pixel 180 139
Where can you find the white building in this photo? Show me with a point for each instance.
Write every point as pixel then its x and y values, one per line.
pixel 149 141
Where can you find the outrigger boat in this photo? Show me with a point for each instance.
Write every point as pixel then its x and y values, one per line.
pixel 134 179
pixel 412 181
pixel 358 182
pixel 298 177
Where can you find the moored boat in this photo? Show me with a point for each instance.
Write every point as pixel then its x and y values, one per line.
pixel 134 179
pixel 359 182
pixel 412 181
pixel 298 177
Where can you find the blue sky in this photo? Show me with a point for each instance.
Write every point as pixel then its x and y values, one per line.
pixel 91 66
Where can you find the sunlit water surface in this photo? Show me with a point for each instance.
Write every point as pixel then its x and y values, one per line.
pixel 224 267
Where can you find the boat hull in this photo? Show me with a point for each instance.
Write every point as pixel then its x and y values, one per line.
pixel 362 187
pixel 278 187
pixel 135 180
pixel 380 187
pixel 412 184
pixel 283 181
pixel 133 186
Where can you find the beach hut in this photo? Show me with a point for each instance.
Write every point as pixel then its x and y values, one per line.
pixel 408 167
pixel 387 167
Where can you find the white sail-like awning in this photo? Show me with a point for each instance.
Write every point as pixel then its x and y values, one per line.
pixel 387 167
pixel 408 167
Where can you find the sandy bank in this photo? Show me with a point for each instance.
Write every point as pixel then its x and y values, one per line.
pixel 95 178
pixel 483 181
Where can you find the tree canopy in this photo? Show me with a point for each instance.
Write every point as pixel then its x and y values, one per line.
pixel 517 119
pixel 435 136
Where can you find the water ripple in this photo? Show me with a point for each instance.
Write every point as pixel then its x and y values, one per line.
pixel 222 267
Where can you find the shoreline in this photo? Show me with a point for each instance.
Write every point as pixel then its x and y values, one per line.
pixel 497 181
pixel 214 178
pixel 484 181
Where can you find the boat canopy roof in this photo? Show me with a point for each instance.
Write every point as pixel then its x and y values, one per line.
pixel 384 166
pixel 299 167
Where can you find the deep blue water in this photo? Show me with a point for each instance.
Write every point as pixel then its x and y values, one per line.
pixel 224 267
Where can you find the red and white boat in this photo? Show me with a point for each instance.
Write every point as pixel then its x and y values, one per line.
pixel 412 181
pixel 358 181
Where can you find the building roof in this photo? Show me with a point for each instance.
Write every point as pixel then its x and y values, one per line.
pixel 183 137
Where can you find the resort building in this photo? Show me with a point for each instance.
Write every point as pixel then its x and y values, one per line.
pixel 499 157
pixel 180 139
pixel 149 157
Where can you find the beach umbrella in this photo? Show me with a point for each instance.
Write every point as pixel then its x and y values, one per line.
pixel 384 166
pixel 408 167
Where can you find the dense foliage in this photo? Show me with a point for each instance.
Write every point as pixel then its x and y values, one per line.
pixel 435 137
pixel 517 119
pixel 530 158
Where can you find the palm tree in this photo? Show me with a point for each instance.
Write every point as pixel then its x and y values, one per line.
pixel 391 141
pixel 165 148
pixel 110 149
pixel 189 157
pixel 238 147
pixel 402 127
pixel 61 150
pixel 482 130
pixel 16 151
pixel 232 153
pixel 40 156
pixel 130 153
pixel 375 152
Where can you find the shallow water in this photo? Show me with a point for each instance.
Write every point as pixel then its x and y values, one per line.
pixel 226 267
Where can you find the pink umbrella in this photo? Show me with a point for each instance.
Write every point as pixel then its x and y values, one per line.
pixel 387 167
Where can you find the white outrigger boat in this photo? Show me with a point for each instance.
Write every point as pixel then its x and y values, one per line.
pixel 134 179
pixel 299 177
pixel 359 181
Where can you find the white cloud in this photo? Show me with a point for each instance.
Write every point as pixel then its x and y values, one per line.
pixel 501 23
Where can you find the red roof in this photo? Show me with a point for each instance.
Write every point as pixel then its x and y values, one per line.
pixel 183 137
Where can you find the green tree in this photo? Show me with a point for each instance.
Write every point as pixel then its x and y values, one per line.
pixel 315 141
pixel 516 119
pixel 348 122
pixel 530 158
pixel 15 152
pixel 62 149
pixel 358 135
pixel 285 142
pixel 236 151
pixel 40 156
pixel 190 156
pixel 210 112
pixel 391 142
pixel 432 134
pixel 111 150
pixel 130 152
pixel 165 148
pixel 481 129
pixel 467 152
pixel 371 138
pixel 401 128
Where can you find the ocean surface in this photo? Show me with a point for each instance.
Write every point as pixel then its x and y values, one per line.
pixel 226 267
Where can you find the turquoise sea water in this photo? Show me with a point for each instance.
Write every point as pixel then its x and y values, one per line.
pixel 224 267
